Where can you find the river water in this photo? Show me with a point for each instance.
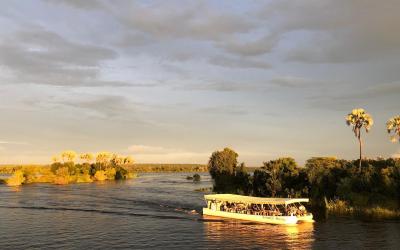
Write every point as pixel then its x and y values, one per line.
pixel 155 211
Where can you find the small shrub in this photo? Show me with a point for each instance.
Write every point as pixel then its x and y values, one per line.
pixel 62 176
pixel 122 174
pixel 100 175
pixel 81 178
pixel 196 177
pixel 110 173
pixel 16 179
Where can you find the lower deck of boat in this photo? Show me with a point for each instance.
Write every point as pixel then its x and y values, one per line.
pixel 279 220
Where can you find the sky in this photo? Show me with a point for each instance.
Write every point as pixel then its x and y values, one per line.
pixel 173 81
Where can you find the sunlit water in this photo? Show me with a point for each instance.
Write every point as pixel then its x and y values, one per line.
pixel 154 211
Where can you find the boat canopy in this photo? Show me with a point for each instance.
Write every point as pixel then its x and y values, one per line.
pixel 234 198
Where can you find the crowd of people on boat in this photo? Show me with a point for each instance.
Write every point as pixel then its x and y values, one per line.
pixel 263 209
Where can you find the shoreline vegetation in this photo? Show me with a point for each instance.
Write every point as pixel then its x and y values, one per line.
pixel 367 187
pixel 334 186
pixel 107 167
pixel 100 167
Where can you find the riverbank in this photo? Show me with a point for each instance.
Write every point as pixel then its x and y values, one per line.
pixel 67 173
pixel 342 208
pixel 137 168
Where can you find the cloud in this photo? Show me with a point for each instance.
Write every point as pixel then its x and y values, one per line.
pixel 174 20
pixel 385 89
pixel 337 31
pixel 295 82
pixel 84 5
pixel 143 149
pixel 40 56
pixel 102 106
pixel 340 99
pixel 225 110
pixel 242 63
pixel 252 48
pixel 14 142
pixel 278 81
pixel 223 86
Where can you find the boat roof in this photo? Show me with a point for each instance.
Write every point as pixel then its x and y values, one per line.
pixel 255 200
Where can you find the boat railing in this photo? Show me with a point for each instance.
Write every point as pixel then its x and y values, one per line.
pixel 242 210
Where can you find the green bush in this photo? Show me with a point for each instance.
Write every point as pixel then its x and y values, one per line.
pixel 196 177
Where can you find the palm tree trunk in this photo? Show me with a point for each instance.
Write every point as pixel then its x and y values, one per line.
pixel 360 143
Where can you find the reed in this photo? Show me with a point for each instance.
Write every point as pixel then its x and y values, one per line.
pixel 340 207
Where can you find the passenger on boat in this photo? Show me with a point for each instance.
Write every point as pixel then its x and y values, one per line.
pixel 302 210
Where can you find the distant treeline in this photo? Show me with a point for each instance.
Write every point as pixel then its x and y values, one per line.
pixel 159 167
pixel 10 169
pixel 335 184
pixel 137 167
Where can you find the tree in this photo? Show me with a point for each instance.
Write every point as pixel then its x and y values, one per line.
pixel 274 184
pixel 117 160
pixel 222 167
pixel 224 161
pixel 62 176
pixel 55 158
pixel 87 157
pixel 103 158
pixel 68 155
pixel 260 178
pixel 243 180
pixel 278 177
pixel 359 119
pixel 128 160
pixel 393 127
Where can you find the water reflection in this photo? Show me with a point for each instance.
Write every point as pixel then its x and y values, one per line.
pixel 15 188
pixel 243 234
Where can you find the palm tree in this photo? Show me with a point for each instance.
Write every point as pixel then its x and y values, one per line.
pixel 128 160
pixel 117 160
pixel 103 158
pixel 55 158
pixel 68 155
pixel 358 118
pixel 393 126
pixel 87 157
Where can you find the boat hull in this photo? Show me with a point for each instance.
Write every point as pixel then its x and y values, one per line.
pixel 279 220
pixel 306 218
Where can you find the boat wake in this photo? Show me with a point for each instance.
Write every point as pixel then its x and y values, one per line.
pixel 100 212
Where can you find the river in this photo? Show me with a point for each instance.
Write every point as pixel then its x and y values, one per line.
pixel 155 211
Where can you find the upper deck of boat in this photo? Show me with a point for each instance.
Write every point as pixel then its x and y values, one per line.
pixel 234 198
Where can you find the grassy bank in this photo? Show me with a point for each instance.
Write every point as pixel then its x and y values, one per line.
pixel 340 207
pixel 69 172
pixel 135 168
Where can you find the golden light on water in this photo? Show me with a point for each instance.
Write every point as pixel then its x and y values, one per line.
pixel 245 234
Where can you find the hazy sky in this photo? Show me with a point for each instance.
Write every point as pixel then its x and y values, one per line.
pixel 172 81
